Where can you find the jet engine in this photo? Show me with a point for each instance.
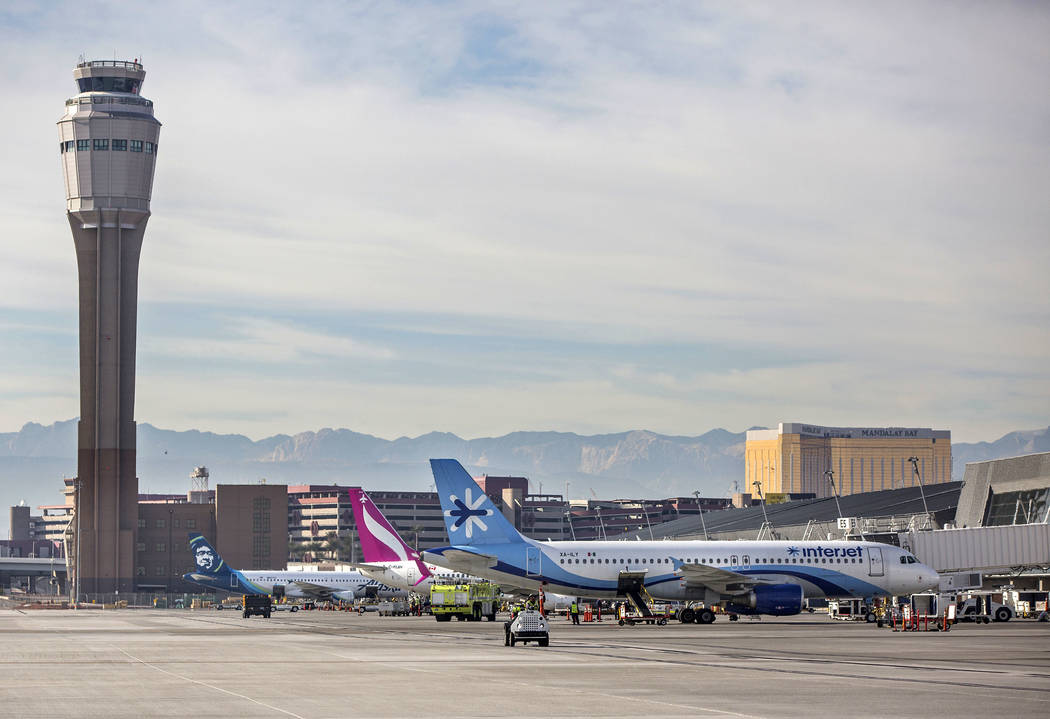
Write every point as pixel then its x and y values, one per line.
pixel 779 600
pixel 345 595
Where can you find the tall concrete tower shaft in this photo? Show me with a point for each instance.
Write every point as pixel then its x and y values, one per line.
pixel 108 143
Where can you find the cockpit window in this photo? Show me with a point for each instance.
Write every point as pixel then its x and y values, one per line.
pixel 907 559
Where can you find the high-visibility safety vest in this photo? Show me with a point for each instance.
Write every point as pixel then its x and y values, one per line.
pixel 575 609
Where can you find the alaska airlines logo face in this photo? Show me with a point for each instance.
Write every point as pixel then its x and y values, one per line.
pixel 467 513
pixel 205 558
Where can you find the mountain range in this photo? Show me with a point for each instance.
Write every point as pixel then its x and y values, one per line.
pixel 637 463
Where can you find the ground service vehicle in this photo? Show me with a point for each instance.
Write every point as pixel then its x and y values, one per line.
pixel 393 608
pixel 528 626
pixel 981 607
pixel 464 601
pixel 256 604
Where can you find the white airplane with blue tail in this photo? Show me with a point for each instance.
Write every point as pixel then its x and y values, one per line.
pixel 742 577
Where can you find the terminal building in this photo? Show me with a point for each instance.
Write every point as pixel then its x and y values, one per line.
pixel 807 458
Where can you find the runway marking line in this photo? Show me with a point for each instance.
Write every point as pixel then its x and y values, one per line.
pixel 206 684
pixel 528 685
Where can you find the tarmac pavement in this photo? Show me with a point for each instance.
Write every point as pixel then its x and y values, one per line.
pixel 312 665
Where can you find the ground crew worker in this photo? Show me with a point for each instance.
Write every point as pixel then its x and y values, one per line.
pixel 623 610
pixel 574 612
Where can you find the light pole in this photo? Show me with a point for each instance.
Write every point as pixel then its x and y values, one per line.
pixel 568 518
pixel 830 474
pixel 645 508
pixel 922 490
pixel 758 485
pixel 701 511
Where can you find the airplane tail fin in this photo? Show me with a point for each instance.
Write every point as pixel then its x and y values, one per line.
pixel 470 516
pixel 206 559
pixel 380 542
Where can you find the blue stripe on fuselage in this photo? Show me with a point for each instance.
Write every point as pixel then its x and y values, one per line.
pixel 830 582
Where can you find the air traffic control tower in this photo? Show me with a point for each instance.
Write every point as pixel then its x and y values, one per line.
pixel 108 144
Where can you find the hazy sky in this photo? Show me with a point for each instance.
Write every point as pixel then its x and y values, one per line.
pixel 592 217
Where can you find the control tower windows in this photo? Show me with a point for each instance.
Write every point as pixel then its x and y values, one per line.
pixel 136 145
pixel 120 145
pixel 82 145
pixel 98 144
pixel 150 148
pixel 109 84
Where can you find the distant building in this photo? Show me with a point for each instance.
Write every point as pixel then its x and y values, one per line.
pixel 797 458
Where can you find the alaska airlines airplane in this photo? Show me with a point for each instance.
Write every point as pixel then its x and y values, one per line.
pixel 212 572
pixel 390 560
pixel 744 577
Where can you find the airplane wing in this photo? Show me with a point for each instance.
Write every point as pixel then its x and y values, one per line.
pixel 316 591
pixel 463 561
pixel 715 578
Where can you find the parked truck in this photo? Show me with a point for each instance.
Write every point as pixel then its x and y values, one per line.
pixel 256 604
pixel 468 602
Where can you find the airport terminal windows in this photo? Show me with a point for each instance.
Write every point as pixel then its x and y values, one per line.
pixel 136 145
pixel 83 145
pixel 100 144
pixel 1023 507
pixel 120 145
pixel 150 148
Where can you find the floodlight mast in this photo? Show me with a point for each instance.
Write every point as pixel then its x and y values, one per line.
pixel 701 511
pixel 766 524
pixel 922 489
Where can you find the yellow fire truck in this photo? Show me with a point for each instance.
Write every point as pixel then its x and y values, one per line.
pixel 468 602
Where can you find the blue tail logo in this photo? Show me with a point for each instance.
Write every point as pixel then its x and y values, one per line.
pixel 467 513
pixel 470 516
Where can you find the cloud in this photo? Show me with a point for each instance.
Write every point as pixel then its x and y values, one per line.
pixel 711 195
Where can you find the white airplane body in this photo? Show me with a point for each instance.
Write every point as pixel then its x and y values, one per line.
pixel 762 577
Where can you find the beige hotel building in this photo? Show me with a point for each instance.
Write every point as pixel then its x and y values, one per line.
pixel 796 457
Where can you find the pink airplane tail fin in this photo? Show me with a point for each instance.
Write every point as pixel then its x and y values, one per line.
pixel 380 542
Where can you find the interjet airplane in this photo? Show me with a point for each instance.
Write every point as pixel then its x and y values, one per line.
pixel 743 577
pixel 212 572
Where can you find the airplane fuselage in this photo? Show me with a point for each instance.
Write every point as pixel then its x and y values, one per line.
pixel 597 568
pixel 342 585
